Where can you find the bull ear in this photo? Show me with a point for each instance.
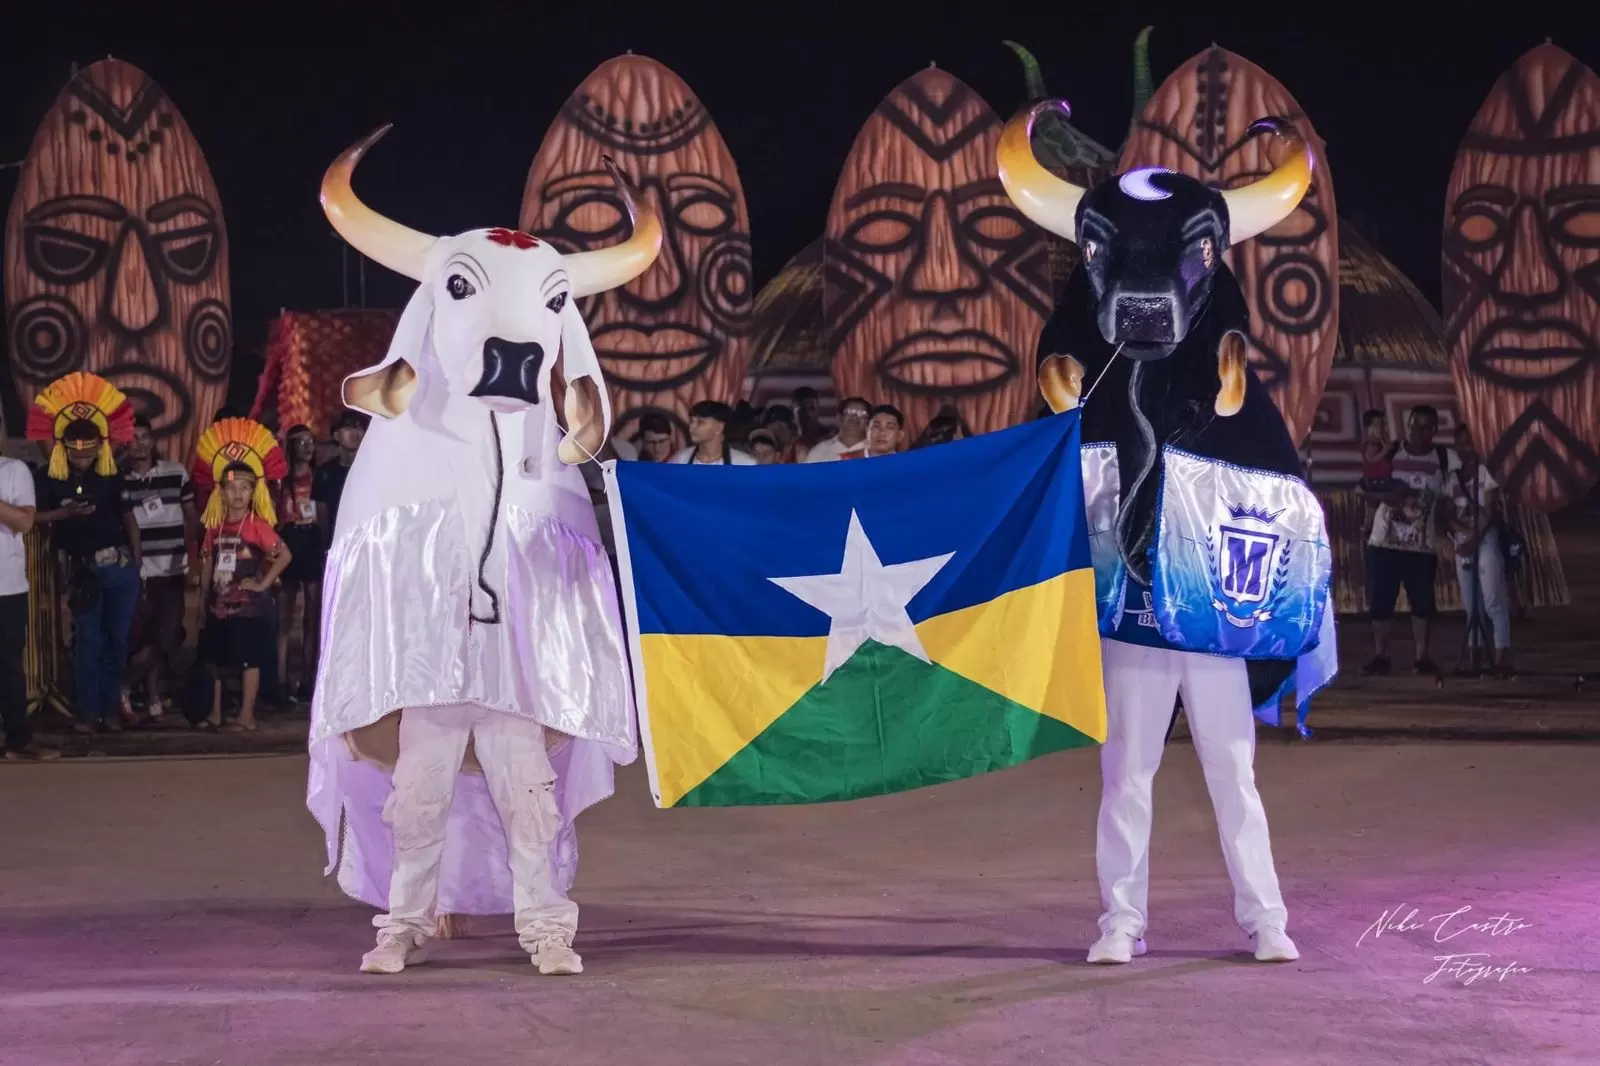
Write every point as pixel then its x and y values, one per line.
pixel 386 390
pixel 588 423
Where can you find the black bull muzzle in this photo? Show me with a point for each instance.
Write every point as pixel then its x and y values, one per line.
pixel 510 370
pixel 1141 315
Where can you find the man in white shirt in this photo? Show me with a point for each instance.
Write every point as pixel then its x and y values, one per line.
pixel 708 430
pixel 1401 551
pixel 851 441
pixel 16 519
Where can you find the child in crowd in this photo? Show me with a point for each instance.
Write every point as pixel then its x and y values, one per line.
pixel 243 558
pixel 236 459
pixel 1377 464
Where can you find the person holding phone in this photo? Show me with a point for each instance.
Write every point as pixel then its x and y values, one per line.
pixel 96 532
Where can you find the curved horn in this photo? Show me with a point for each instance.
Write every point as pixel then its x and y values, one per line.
pixel 1262 204
pixel 614 267
pixel 1044 198
pixel 400 249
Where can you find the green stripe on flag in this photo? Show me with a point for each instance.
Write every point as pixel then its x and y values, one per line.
pixel 884 722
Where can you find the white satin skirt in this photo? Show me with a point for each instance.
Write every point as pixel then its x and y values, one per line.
pixel 396 600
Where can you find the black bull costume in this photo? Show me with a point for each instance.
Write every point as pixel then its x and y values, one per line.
pixel 1211 556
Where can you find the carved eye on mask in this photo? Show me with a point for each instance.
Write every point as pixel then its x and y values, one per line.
pixel 459 287
pixel 1208 253
pixel 557 302
pixel 1089 250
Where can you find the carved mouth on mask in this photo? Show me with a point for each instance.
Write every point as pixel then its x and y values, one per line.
pixel 654 357
pixel 958 363
pixel 1524 355
pixel 155 393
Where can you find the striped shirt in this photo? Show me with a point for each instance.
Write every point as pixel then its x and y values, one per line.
pixel 157 498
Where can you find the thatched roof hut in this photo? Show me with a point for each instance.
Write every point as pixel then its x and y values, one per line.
pixel 786 348
pixel 1383 320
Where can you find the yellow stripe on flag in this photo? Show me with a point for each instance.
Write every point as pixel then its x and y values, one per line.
pixel 1038 646
pixel 709 696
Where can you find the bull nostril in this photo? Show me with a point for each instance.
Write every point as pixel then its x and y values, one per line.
pixel 1150 319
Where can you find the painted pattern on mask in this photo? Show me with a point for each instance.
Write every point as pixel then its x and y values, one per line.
pixel 1522 278
pixel 117 255
pixel 1197 124
pixel 679 333
pixel 935 287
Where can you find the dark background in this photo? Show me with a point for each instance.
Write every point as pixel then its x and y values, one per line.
pixel 275 92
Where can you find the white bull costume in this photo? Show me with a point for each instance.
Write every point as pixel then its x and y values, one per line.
pixel 473 694
pixel 1212 567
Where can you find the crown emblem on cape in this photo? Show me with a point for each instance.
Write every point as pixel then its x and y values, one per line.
pixel 1260 514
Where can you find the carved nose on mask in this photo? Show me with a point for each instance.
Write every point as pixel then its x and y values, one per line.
pixel 1147 319
pixel 510 370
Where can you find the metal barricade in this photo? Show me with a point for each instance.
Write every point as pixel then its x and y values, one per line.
pixel 44 661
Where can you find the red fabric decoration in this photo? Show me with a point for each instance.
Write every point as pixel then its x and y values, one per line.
pixel 308 356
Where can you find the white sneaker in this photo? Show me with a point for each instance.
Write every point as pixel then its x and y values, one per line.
pixel 553 957
pixel 395 951
pixel 1116 947
pixel 156 710
pixel 1274 945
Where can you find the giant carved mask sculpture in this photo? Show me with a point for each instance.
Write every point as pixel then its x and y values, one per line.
pixel 1198 123
pixel 676 335
pixel 935 287
pixel 116 255
pixel 1522 278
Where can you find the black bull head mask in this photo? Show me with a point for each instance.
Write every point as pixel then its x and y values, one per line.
pixel 1153 287
pixel 1152 239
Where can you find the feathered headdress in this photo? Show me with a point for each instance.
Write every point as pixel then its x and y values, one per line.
pixel 238 440
pixel 81 397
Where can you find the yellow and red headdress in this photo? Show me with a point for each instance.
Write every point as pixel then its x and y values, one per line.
pixel 237 440
pixel 81 397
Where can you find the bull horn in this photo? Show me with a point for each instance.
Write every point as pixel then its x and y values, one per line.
pixel 1262 204
pixel 612 268
pixel 388 243
pixel 1046 199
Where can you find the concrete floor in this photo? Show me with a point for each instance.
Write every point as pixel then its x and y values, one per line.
pixel 172 912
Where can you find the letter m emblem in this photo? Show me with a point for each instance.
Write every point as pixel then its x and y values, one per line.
pixel 1246 563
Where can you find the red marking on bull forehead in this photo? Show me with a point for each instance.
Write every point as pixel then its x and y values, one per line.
pixel 513 238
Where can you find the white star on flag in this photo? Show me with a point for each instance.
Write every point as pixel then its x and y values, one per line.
pixel 865 599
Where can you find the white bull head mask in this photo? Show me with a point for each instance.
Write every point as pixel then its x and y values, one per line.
pixel 498 305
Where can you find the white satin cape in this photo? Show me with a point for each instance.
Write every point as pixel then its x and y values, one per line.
pixel 401 581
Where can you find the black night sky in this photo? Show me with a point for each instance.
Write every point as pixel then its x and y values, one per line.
pixel 274 94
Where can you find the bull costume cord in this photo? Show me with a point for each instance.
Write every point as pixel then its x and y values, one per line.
pixel 473 694
pixel 1211 559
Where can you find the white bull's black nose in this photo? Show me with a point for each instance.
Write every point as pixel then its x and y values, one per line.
pixel 510 370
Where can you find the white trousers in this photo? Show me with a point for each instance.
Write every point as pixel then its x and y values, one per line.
pixel 521 782
pixel 1490 577
pixel 1141 684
